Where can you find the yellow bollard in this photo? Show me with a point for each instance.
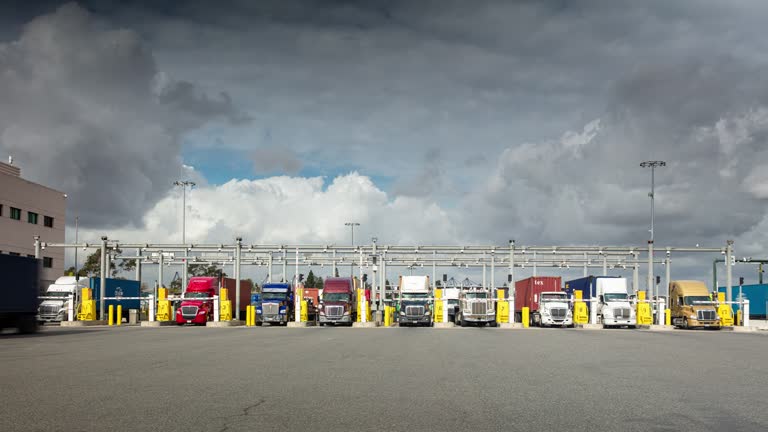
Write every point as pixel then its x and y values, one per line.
pixel 739 318
pixel 580 311
pixel 119 316
pixel 111 314
pixel 526 317
pixel 305 311
pixel 226 310
pixel 644 316
pixel 438 315
pixel 247 316
pixel 162 293
pixel 668 316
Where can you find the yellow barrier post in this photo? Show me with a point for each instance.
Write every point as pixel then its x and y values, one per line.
pixel 668 316
pixel 111 314
pixel 502 308
pixel 119 316
pixel 724 311
pixel 644 316
pixel 580 311
pixel 247 316
pixel 225 305
pixel 304 310
pixel 86 311
pixel 526 317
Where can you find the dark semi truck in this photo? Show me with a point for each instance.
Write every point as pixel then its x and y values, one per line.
pixel 18 292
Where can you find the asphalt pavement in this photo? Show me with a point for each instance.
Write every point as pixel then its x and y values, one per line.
pixel 348 379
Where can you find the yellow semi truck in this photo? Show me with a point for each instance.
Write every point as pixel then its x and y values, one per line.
pixel 691 305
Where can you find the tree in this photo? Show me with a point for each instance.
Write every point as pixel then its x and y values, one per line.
pixel 71 272
pixel 319 282
pixel 92 265
pixel 311 281
pixel 205 270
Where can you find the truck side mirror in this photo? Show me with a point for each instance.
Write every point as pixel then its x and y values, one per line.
pixel 600 298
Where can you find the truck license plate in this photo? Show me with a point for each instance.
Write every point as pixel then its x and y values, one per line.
pixel 189 321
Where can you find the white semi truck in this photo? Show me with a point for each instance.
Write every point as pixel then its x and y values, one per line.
pixel 55 304
pixel 613 306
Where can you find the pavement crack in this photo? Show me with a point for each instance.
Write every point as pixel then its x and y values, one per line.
pixel 246 412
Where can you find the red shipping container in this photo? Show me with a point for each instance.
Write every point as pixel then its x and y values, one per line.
pixel 245 294
pixel 528 291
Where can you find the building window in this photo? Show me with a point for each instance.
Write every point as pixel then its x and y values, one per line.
pixel 14 253
pixel 47 262
pixel 15 213
pixel 32 217
pixel 48 221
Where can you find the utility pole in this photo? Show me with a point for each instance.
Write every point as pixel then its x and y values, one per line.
pixel 184 184
pixel 652 165
pixel 77 273
pixel 352 226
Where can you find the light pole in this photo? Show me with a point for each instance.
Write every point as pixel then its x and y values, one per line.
pixel 352 226
pixel 652 165
pixel 184 184
pixel 77 273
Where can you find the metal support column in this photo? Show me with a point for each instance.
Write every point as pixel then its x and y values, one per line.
pixel 269 268
pixel 285 266
pixel 333 263
pixel 728 271
pixel 485 284
pixel 667 276
pixel 649 288
pixel 238 254
pixel 586 262
pixel 434 270
pixel 160 272
pixel 493 275
pixel 37 248
pixel 636 274
pixel 605 265
pixel 511 291
pixel 138 268
pixel 535 270
pixel 103 277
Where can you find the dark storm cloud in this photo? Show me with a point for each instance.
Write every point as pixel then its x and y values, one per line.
pixel 84 110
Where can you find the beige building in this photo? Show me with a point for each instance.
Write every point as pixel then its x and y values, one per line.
pixel 28 209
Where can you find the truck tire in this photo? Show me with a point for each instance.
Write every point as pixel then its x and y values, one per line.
pixel 685 324
pixel 27 324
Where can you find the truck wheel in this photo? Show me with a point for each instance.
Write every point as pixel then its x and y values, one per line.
pixel 685 324
pixel 27 324
pixel 259 323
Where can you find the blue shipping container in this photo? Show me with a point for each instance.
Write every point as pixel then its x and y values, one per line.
pixel 587 286
pixel 757 296
pixel 117 288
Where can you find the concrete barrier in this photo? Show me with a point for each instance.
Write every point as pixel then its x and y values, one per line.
pixel 83 323
pixel 511 325
pixel 444 325
pixel 157 323
pixel 364 324
pixel 234 323
pixel 588 326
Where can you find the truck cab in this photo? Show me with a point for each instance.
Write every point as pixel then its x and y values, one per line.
pixel 476 306
pixel 691 305
pixel 614 307
pixel 554 310
pixel 338 303
pixel 415 301
pixel 197 305
pixel 54 308
pixel 274 305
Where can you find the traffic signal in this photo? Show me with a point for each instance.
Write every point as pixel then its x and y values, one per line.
pixel 741 281
pixel 301 277
pixel 365 277
pixel 658 280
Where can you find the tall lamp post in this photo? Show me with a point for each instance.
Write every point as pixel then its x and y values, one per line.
pixel 352 226
pixel 184 184
pixel 652 165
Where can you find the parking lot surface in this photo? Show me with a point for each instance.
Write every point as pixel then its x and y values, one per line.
pixel 343 379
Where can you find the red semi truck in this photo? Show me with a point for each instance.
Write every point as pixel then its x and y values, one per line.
pixel 193 308
pixel 338 304
pixel 547 304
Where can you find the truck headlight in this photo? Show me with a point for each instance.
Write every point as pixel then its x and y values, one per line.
pixel 201 312
pixel 692 317
pixel 402 313
pixel 427 312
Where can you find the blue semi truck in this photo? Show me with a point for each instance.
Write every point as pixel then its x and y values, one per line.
pixel 757 295
pixel 274 304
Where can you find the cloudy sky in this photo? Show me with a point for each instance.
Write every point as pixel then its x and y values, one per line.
pixel 424 121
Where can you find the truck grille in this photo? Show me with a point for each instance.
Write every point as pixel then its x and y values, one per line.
pixel 414 311
pixel 49 310
pixel 334 311
pixel 189 311
pixel 479 308
pixel 621 313
pixel 270 309
pixel 706 315
pixel 558 313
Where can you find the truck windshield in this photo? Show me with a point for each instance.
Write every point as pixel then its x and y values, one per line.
pixel 697 300
pixel 195 294
pixel 615 297
pixel 272 296
pixel 336 297
pixel 476 295
pixel 553 297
